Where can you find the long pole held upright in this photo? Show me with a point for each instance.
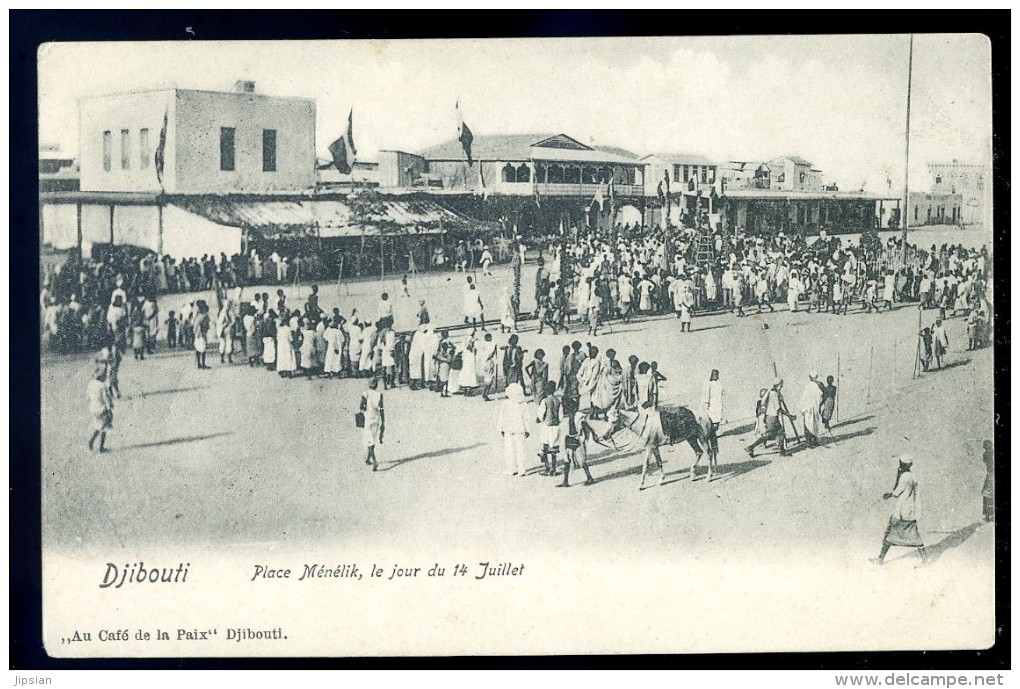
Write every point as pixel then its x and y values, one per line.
pixel 905 216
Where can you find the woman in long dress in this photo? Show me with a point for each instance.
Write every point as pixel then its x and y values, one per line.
pixel 306 360
pixel 269 341
pixel 357 335
pixel 331 366
pixel 417 356
pixel 286 361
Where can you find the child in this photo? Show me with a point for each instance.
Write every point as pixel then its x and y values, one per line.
pixel 926 349
pixel 549 417
pixel 828 402
pixel 656 379
pixel 138 335
pixel 171 330
pixel 575 444
pixel 538 371
pixel 101 408
pixel 444 359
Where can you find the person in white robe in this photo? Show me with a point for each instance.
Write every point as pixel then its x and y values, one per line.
pixel 333 343
pixel 286 362
pixel 429 351
pixel 810 410
pixel 417 356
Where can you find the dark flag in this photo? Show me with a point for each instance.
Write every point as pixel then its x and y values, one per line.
pixel 464 135
pixel 342 150
pixel 160 158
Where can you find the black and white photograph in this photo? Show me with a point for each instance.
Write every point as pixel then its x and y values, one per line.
pixel 517 346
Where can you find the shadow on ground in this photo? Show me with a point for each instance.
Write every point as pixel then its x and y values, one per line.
pixel 176 441
pixel 428 455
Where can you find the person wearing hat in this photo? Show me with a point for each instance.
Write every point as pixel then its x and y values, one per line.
pixel 775 409
pixel 513 427
pixel 810 409
pixel 902 530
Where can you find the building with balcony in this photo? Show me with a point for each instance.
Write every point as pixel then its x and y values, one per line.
pixel 555 165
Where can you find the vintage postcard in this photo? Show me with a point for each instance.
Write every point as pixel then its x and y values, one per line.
pixel 524 346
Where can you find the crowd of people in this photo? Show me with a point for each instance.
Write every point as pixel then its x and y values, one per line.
pixel 595 279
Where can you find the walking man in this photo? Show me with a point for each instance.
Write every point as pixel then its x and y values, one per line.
pixel 810 410
pixel 775 410
pixel 902 530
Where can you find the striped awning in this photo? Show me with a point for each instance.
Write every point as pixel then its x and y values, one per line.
pixel 327 217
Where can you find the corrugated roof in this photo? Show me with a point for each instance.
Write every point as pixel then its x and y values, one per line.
pixel 796 160
pixel 616 150
pixel 682 158
pixel 764 194
pixel 333 217
pixel 568 155
pixel 489 147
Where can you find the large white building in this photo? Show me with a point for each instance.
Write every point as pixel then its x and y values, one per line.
pixel 216 142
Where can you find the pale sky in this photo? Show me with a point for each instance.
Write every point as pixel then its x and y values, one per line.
pixel 839 101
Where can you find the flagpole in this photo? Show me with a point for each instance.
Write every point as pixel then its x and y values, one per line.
pixel 906 172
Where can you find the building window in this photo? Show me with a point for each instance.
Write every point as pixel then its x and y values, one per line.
pixel 704 174
pixel 144 152
pixel 676 173
pixel 915 213
pixel 938 179
pixel 268 150
pixel 555 174
pixel 227 149
pixel 781 177
pixel 509 173
pixel 711 175
pixel 125 149
pixel 107 150
pixel 572 174
pixel 524 173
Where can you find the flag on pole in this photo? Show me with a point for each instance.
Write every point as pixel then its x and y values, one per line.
pixel 481 178
pixel 464 135
pixel 342 150
pixel 612 190
pixel 160 158
pixel 599 199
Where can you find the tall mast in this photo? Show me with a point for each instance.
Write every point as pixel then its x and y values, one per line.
pixel 905 219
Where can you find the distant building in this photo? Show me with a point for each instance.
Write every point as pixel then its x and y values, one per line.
pixel 972 182
pixel 793 173
pixel 693 185
pixel 57 172
pixel 934 208
pixel 517 165
pixel 364 173
pixel 215 142
pixel 745 174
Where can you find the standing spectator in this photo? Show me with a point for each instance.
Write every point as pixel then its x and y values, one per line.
pixel 101 409
pixel 373 420
pixel 988 491
pixel 513 427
